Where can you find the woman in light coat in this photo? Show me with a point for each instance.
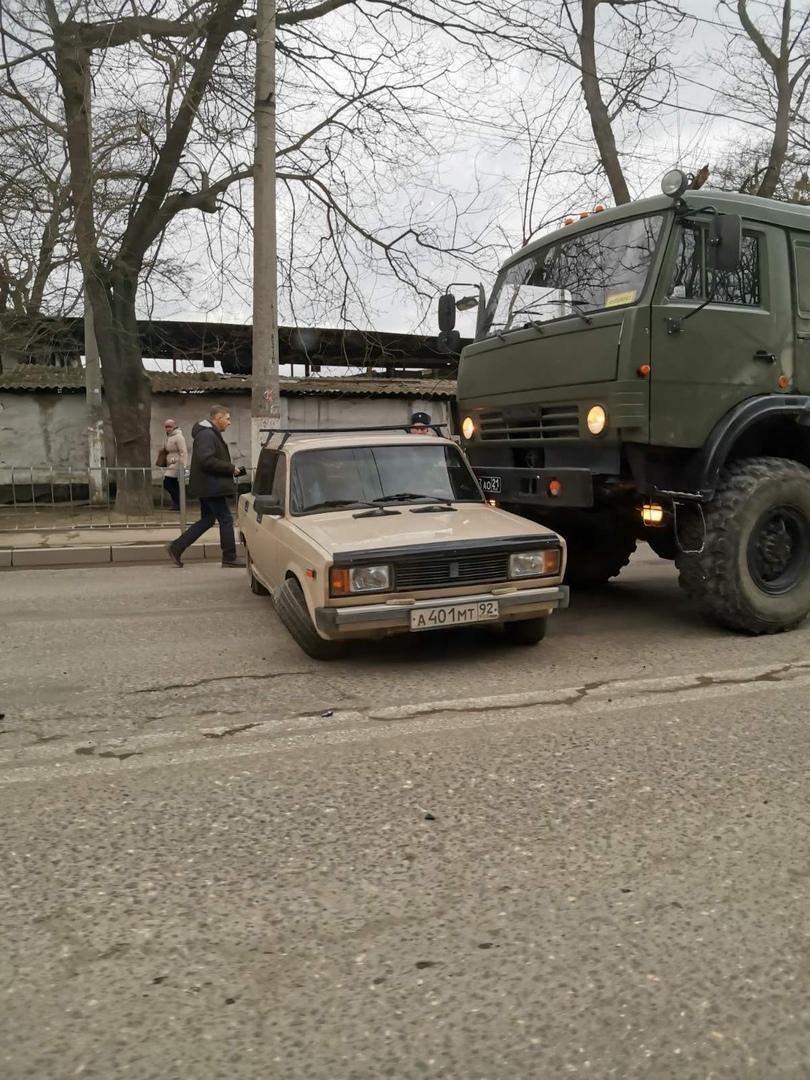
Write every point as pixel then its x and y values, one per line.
pixel 176 454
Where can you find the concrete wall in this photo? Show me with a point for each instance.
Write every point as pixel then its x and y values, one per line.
pixel 45 429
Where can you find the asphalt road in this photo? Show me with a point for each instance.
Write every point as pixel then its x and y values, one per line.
pixel 442 856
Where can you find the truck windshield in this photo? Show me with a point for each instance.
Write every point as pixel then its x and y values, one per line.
pixel 603 268
pixel 347 477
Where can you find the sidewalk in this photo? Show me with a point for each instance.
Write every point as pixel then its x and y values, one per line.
pixel 98 546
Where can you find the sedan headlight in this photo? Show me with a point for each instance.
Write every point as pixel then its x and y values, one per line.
pixel 359 579
pixel 534 563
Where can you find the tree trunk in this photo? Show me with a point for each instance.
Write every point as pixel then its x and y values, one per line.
pixel 112 297
pixel 597 111
pixel 127 390
pixel 781 133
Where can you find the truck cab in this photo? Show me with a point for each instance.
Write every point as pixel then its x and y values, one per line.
pixel 633 367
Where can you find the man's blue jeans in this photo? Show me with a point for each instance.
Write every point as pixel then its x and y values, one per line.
pixel 212 510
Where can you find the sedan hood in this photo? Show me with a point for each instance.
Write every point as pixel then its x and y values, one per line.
pixel 339 531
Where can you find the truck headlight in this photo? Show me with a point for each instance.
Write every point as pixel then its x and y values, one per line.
pixel 468 427
pixel 534 563
pixel 359 579
pixel 596 419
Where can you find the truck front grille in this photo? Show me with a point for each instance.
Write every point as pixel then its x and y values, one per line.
pixel 434 572
pixel 537 422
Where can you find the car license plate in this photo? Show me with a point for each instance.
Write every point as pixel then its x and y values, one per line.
pixel 490 485
pixel 454 615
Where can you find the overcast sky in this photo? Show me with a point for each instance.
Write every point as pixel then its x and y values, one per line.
pixel 690 130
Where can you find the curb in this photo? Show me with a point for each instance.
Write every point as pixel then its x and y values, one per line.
pixel 102 555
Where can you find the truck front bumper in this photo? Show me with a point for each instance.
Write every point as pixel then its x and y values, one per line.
pixel 574 487
pixel 395 616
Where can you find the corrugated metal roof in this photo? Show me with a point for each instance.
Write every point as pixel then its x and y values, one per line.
pixel 38 378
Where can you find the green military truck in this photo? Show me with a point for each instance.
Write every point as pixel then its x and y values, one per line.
pixel 643 373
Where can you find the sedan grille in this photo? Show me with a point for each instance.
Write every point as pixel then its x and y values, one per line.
pixel 435 572
pixel 538 422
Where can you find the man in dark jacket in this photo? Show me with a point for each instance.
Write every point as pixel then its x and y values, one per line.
pixel 211 481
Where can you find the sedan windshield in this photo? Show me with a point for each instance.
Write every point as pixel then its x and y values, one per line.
pixel 587 272
pixel 348 477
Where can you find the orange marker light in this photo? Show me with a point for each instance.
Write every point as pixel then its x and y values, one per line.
pixel 310 573
pixel 783 382
pixel 339 584
pixel 568 221
pixel 583 214
pixel 599 208
pixel 643 370
pixel 554 487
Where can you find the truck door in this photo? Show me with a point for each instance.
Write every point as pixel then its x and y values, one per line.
pixel 801 264
pixel 734 348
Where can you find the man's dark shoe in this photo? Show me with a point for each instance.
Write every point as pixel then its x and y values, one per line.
pixel 236 564
pixel 172 553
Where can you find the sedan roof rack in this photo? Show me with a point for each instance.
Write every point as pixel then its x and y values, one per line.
pixel 286 432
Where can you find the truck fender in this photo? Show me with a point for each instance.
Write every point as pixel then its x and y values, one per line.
pixel 748 414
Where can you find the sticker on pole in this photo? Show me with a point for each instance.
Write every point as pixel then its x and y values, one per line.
pixel 268 395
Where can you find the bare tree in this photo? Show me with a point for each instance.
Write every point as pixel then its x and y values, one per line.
pixel 36 251
pixel 623 65
pixel 769 53
pixel 174 81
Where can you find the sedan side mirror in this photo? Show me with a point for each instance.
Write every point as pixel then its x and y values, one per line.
pixel 267 504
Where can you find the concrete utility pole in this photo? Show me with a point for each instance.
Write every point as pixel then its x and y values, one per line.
pixel 265 404
pixel 92 361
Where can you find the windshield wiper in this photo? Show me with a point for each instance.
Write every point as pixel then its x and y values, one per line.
pixel 333 504
pixel 376 511
pixel 433 508
pixel 533 325
pixel 577 305
pixel 407 496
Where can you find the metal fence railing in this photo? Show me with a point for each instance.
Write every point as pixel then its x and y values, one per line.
pixel 55 498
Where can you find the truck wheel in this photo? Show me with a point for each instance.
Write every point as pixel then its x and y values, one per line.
pixel 753 573
pixel 291 606
pixel 256 586
pixel 599 554
pixel 526 631
pixel 663 542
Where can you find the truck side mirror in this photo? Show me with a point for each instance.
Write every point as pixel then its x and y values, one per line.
pixel 449 341
pixel 447 311
pixel 725 242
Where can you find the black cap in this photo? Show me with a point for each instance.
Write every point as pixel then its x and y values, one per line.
pixel 420 418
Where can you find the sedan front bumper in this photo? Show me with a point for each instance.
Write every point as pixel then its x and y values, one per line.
pixel 520 604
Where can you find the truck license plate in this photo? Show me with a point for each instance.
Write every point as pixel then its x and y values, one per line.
pixel 454 615
pixel 490 485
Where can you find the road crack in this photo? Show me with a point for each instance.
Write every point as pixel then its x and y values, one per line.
pixel 216 679
pixel 228 731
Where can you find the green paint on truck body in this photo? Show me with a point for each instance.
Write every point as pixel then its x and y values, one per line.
pixel 576 316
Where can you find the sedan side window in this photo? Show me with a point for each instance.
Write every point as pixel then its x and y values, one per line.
pixel 277 491
pixel 264 477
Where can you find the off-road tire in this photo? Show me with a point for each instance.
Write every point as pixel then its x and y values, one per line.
pixel 256 586
pixel 526 631
pixel 291 606
pixel 595 555
pixel 663 543
pixel 758 501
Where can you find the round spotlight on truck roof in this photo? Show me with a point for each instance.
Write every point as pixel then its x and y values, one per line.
pixel 675 183
pixel 468 427
pixel 596 419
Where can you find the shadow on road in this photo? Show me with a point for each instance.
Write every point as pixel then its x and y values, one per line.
pixel 642 605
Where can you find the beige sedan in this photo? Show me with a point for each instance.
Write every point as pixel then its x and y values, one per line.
pixel 364 535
